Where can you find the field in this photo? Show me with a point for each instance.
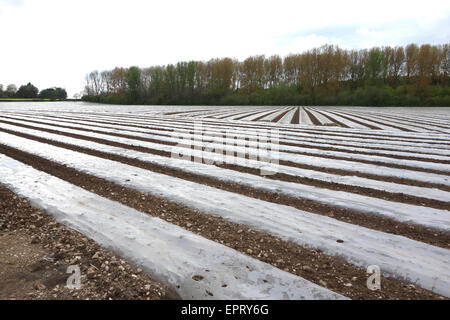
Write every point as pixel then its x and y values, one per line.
pixel 246 202
pixel 22 99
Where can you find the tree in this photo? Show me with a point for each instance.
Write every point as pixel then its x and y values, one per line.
pixel 252 73
pixel 273 70
pixel 133 80
pixel 221 76
pixel 395 60
pixel 410 75
pixel 117 80
pixel 11 90
pixel 291 67
pixel 412 51
pixel 94 84
pixel 53 93
pixel 445 64
pixel 356 67
pixel 27 91
pixel 376 68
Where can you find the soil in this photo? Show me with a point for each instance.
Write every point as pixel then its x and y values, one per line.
pixel 277 118
pixel 296 117
pixel 327 271
pixel 281 162
pixel 165 132
pixel 35 252
pixel 313 118
pixel 431 236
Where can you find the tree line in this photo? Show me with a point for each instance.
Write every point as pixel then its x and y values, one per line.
pixel 29 91
pixel 411 76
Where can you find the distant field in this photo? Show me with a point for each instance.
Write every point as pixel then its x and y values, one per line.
pixel 22 99
pixel 350 188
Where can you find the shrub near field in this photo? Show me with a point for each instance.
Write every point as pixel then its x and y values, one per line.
pixel 400 76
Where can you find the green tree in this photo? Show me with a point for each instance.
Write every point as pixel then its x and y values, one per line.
pixel 11 90
pixel 27 91
pixel 327 75
pixel 53 93
pixel 376 69
pixel 133 80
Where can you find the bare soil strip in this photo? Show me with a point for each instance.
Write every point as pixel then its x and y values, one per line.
pixel 281 115
pixel 331 272
pixel 296 117
pixel 313 118
pixel 247 115
pixel 179 112
pixel 226 115
pixel 343 125
pixel 265 115
pixel 35 252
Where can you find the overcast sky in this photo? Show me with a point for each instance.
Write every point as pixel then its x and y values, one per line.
pixel 56 42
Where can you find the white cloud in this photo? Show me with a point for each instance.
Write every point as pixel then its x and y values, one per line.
pixel 55 43
pixel 11 2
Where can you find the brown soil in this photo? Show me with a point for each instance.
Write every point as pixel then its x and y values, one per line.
pixel 370 126
pixel 281 162
pixel 296 117
pixel 167 133
pixel 427 235
pixel 277 118
pixel 144 118
pixel 310 130
pixel 412 122
pixel 343 125
pixel 179 112
pixel 265 115
pixel 374 162
pixel 331 272
pixel 363 135
pixel 248 115
pixel 313 118
pixel 35 252
pixel 342 114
